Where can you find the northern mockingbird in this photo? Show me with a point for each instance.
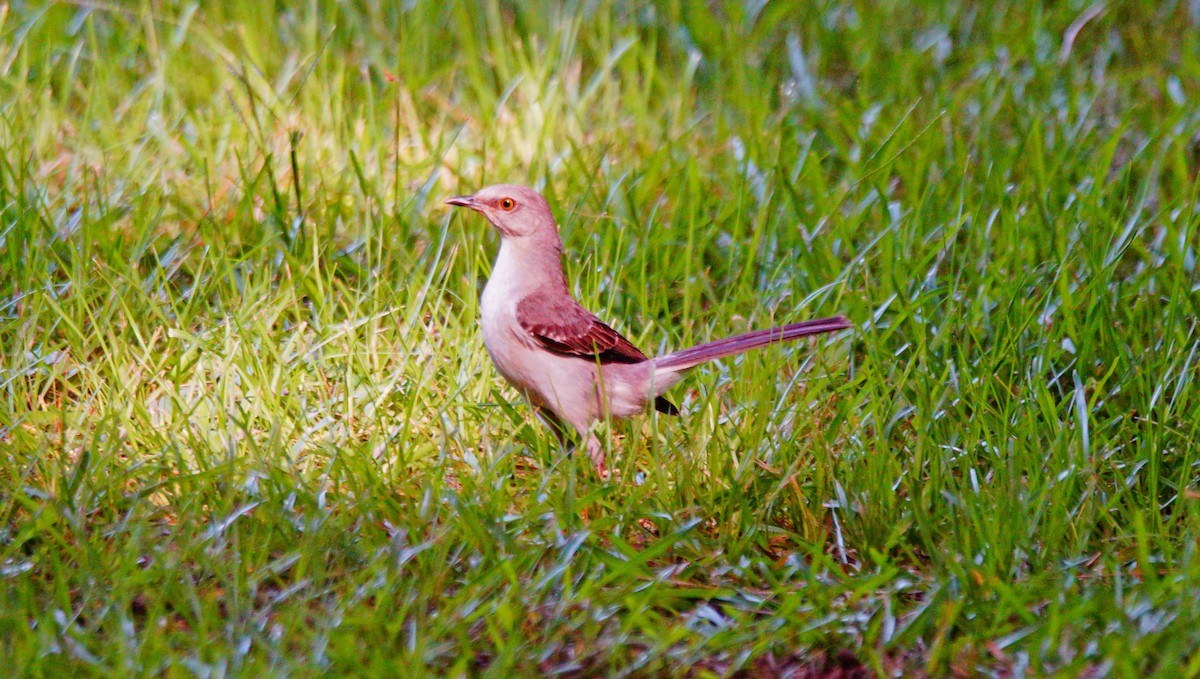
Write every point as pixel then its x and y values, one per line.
pixel 571 366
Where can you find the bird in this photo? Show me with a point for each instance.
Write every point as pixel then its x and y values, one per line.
pixel 566 362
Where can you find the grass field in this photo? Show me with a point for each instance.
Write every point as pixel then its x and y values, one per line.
pixel 248 426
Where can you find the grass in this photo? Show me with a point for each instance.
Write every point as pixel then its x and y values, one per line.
pixel 248 427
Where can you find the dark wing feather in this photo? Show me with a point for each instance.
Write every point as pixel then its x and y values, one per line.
pixel 560 324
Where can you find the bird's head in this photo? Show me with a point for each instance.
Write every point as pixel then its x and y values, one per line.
pixel 515 211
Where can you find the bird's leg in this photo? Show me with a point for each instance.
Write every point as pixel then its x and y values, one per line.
pixel 561 430
pixel 596 453
pixel 555 423
pixel 595 449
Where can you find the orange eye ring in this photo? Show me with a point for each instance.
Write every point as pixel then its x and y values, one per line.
pixel 507 204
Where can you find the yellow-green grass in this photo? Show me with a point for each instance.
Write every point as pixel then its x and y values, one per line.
pixel 248 427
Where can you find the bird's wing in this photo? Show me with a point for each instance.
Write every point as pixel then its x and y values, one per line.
pixel 560 324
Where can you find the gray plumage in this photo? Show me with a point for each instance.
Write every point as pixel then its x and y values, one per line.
pixel 568 363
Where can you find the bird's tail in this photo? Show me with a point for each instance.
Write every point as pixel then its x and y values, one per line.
pixel 688 358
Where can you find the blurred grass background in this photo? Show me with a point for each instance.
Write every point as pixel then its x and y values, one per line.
pixel 248 427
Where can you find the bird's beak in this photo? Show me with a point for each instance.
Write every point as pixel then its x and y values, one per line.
pixel 464 201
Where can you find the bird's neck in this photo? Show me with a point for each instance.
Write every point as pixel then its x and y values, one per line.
pixel 524 266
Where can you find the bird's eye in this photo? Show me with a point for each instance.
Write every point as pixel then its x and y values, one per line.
pixel 507 203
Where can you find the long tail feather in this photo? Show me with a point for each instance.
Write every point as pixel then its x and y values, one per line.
pixel 687 358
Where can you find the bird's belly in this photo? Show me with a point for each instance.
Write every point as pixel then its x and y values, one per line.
pixel 564 384
pixel 573 387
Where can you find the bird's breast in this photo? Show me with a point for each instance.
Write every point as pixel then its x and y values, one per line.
pixel 508 345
